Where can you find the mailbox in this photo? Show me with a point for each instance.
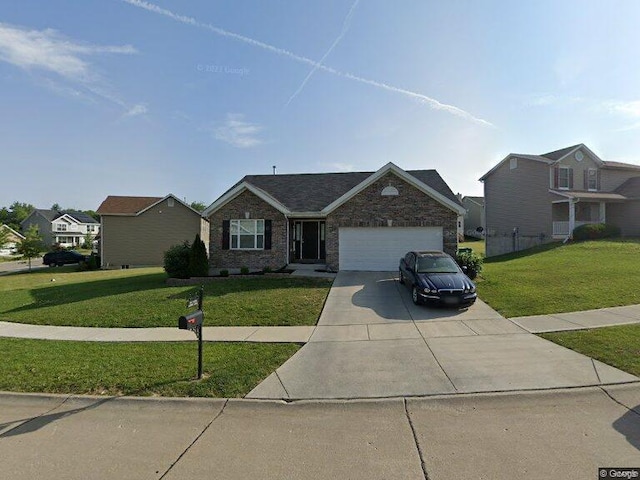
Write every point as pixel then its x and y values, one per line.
pixel 191 321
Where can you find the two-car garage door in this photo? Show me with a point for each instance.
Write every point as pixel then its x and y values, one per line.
pixel 380 249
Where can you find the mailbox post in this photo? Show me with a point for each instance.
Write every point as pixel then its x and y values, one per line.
pixel 193 321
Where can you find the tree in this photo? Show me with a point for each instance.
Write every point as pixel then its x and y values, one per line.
pixel 88 240
pixel 198 206
pixel 4 236
pixel 56 206
pixel 198 261
pixel 32 245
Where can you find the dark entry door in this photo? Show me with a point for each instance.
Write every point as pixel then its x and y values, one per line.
pixel 310 240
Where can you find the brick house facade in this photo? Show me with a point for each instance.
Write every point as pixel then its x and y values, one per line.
pixel 299 218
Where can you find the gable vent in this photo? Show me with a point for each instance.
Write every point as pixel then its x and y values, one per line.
pixel 390 191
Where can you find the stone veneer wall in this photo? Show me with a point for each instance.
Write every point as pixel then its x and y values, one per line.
pixel 253 259
pixel 411 208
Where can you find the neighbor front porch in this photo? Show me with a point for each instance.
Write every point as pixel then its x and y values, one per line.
pixel 580 209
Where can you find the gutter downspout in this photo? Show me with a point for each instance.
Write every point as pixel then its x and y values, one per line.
pixel 288 236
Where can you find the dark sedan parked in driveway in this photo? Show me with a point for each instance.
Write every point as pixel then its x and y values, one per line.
pixel 63 257
pixel 434 277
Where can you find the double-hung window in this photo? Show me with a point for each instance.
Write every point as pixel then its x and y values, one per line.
pixel 563 177
pixel 592 179
pixel 246 234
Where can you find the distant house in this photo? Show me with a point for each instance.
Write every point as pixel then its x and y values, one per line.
pixel 347 221
pixel 14 238
pixel 136 231
pixel 474 216
pixel 66 228
pixel 534 199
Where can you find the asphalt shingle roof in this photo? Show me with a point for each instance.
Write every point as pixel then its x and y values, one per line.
pixel 557 154
pixel 311 192
pixel 630 188
pixel 80 216
pixel 119 205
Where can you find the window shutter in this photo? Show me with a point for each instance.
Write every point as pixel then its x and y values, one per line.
pixel 556 175
pixel 225 234
pixel 571 179
pixel 598 179
pixel 267 234
pixel 586 179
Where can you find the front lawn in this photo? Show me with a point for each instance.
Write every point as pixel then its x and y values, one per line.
pixel 618 346
pixel 167 369
pixel 562 278
pixel 140 298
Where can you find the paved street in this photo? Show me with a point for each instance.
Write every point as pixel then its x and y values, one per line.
pixel 540 435
pixel 20 265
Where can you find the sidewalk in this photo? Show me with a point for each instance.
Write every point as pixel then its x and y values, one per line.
pixel 603 317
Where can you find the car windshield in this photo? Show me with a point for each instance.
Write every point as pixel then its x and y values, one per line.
pixel 436 265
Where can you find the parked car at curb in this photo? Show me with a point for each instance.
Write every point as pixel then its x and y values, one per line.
pixel 435 278
pixel 63 257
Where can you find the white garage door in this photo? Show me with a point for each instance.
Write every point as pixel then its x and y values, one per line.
pixel 380 249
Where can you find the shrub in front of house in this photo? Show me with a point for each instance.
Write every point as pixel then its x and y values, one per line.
pixel 198 260
pixel 595 231
pixel 470 262
pixel 176 260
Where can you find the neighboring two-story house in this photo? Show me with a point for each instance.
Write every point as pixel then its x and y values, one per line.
pixel 68 229
pixel 534 199
pixel 474 216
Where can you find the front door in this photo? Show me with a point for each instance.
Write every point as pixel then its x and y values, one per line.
pixel 308 242
pixel 310 237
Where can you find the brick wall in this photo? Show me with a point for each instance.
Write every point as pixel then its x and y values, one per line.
pixel 411 208
pixel 253 259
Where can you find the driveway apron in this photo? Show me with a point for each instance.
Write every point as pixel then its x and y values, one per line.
pixel 372 342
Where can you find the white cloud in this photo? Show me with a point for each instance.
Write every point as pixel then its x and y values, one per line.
pixel 136 110
pixel 50 52
pixel 424 99
pixel 237 132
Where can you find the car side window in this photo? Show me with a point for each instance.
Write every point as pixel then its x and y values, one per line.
pixel 411 261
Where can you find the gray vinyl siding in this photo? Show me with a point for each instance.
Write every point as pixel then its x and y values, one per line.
pixel 143 239
pixel 474 217
pixel 517 198
pixel 612 178
pixel 626 216
pixel 44 227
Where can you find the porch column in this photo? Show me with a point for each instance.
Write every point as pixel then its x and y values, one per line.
pixel 603 213
pixel 572 217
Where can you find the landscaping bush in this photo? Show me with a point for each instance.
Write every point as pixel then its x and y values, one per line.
pixel 176 260
pixel 471 261
pixel 595 231
pixel 244 270
pixel 224 273
pixel 198 261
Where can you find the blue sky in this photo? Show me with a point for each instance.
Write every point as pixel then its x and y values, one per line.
pixel 147 98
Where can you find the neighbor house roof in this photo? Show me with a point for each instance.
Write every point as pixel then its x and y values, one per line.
pixel 79 216
pixel 558 154
pixel 321 192
pixel 117 205
pixel 50 215
pixel 478 200
pixel 12 231
pixel 630 188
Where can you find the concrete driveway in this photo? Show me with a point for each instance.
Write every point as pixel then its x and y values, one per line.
pixel 372 342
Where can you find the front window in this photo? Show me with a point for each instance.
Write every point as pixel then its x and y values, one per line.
pixel 437 265
pixel 61 227
pixel 592 179
pixel 563 177
pixel 247 234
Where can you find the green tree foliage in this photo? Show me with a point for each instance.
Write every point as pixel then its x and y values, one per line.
pixel 198 260
pixel 198 206
pixel 88 240
pixel 4 236
pixel 56 206
pixel 32 245
pixel 15 214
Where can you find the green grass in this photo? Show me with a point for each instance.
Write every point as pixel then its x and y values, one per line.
pixel 562 278
pixel 167 369
pixel 617 346
pixel 478 246
pixel 140 298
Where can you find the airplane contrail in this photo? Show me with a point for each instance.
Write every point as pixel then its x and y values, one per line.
pixel 345 27
pixel 431 102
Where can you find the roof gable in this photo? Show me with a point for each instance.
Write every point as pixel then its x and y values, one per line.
pixel 12 231
pixel 630 188
pixel 119 205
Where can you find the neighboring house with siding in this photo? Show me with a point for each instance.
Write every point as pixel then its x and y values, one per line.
pixel 474 216
pixel 65 228
pixel 13 239
pixel 347 221
pixel 136 231
pixel 534 199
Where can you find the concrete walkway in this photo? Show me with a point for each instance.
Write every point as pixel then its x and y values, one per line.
pixel 373 342
pixel 564 434
pixel 603 317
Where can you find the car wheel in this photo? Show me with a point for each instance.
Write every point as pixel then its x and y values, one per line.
pixel 401 279
pixel 51 265
pixel 414 295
